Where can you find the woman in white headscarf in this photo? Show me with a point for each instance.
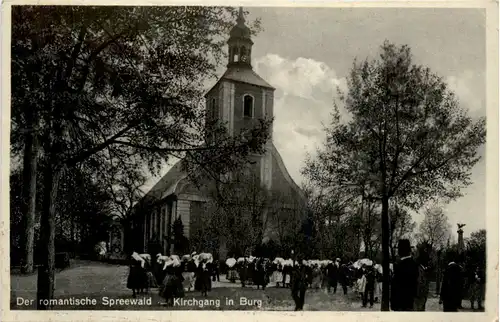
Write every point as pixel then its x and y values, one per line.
pixel 137 279
pixel 277 276
pixel 172 283
pixel 232 275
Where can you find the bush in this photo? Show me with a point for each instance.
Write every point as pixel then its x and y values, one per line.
pixel 62 260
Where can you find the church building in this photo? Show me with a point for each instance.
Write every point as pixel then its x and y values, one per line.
pixel 239 98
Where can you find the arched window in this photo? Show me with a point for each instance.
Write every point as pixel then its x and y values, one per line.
pixel 243 54
pixel 247 106
pixel 235 54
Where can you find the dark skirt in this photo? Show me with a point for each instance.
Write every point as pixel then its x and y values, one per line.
pixel 203 282
pixel 260 278
pixel 171 287
pixel 137 278
pixel 151 280
pixel 232 275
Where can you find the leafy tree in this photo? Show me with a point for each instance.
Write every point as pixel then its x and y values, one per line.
pixel 407 137
pixel 435 229
pixel 477 239
pixel 124 84
pixel 476 248
pixel 238 210
pixel 401 225
pixel 284 216
pixel 15 195
pixel 370 229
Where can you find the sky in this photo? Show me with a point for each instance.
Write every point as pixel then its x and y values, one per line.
pixel 305 53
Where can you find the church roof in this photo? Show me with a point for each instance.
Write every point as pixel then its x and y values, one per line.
pixel 245 75
pixel 279 160
pixel 241 30
pixel 242 75
pixel 169 183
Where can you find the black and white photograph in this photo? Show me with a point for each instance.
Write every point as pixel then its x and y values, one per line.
pixel 250 158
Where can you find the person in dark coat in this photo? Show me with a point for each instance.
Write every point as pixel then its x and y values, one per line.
pixel 422 282
pixel 243 272
pixel 452 287
pixel 172 285
pixel 344 277
pixel 298 280
pixel 158 271
pixel 370 286
pixel 404 282
pixel 137 279
pixel 204 275
pixel 216 271
pixel 260 275
pixel 332 271
pixel 476 288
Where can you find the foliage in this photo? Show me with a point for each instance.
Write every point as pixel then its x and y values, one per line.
pixel 476 249
pixel 435 229
pixel 16 228
pixel 401 226
pixel 117 87
pixel 124 81
pixel 284 217
pixel 82 212
pixel 237 210
pixel 407 137
pixel 408 134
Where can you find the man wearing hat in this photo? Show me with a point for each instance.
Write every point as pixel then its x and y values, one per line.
pixel 299 283
pixel 332 271
pixel 452 287
pixel 405 279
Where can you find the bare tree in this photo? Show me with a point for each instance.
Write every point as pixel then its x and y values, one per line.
pixel 435 229
pixel 284 216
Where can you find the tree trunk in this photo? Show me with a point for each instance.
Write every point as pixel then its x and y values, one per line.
pixel 385 254
pixel 29 193
pixel 46 276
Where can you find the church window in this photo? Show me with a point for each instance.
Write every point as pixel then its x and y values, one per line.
pixel 215 110
pixel 243 54
pixel 247 106
pixel 235 54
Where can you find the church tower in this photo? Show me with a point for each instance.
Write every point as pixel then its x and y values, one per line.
pixel 241 97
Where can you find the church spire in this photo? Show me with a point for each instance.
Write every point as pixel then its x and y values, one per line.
pixel 241 17
pixel 240 44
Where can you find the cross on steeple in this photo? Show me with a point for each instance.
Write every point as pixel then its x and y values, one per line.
pixel 240 43
pixel 241 18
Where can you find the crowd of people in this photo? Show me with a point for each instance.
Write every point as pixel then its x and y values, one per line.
pixel 409 280
pixel 171 274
